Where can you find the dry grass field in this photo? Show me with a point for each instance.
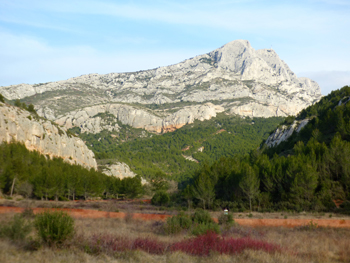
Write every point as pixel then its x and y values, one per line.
pixel 97 239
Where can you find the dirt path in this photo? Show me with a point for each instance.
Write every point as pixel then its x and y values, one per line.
pixel 294 222
pixel 88 213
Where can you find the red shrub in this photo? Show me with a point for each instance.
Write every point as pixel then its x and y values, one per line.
pixel 149 245
pixel 199 246
pixel 203 245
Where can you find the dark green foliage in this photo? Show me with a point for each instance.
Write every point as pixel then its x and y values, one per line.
pixel 178 223
pixel 31 108
pixel 160 198
pixel 152 154
pixel 289 120
pixel 54 227
pixel 250 183
pixel 345 207
pixel 198 224
pixel 25 189
pixel 132 187
pixel 34 175
pixel 203 186
pixel 18 103
pixel 201 216
pixel 17 230
pixel 159 182
pixel 226 220
pixel 2 98
pixel 203 228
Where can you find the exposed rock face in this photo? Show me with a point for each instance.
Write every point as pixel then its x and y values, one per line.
pixel 42 136
pixel 120 170
pixel 283 133
pixel 236 77
pixel 89 120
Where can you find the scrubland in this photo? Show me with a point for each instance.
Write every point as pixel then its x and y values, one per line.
pixel 132 240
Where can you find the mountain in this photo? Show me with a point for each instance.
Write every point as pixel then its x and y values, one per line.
pixel 43 136
pixel 235 79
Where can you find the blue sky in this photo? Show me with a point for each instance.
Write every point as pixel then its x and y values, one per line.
pixel 43 41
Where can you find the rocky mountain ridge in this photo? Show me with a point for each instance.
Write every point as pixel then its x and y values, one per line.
pixel 43 136
pixel 235 78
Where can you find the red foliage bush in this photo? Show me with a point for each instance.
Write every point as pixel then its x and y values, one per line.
pixel 203 245
pixel 200 246
pixel 149 245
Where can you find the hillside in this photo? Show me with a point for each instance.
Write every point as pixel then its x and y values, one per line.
pixel 305 172
pixel 179 153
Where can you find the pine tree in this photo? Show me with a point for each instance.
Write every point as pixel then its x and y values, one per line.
pixel 204 187
pixel 250 183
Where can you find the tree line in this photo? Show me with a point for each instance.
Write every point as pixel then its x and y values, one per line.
pixel 34 175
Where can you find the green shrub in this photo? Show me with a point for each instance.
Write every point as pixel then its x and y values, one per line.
pixel 203 228
pixel 17 229
pixel 345 207
pixel 177 223
pixel 201 216
pixel 54 227
pixel 160 198
pixel 226 220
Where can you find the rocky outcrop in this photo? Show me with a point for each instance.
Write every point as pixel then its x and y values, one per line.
pixel 120 170
pixel 284 132
pixel 88 119
pixel 236 77
pixel 43 136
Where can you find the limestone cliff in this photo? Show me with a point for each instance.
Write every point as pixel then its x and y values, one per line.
pixel 42 136
pixel 88 120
